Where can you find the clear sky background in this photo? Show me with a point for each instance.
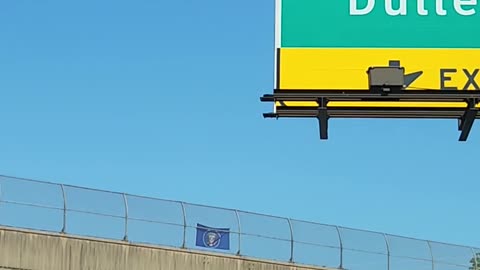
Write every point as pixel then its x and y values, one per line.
pixel 161 98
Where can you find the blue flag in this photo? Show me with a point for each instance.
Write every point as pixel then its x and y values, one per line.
pixel 216 238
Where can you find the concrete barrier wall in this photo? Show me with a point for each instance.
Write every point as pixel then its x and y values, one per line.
pixel 28 250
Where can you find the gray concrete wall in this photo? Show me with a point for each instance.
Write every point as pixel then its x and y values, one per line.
pixel 28 250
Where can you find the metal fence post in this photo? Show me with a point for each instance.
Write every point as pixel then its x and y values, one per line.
pixel 431 253
pixel 64 227
pixel 291 240
pixel 388 251
pixel 125 202
pixel 184 225
pixel 239 232
pixel 341 247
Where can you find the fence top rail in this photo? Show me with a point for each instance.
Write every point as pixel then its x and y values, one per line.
pixel 473 248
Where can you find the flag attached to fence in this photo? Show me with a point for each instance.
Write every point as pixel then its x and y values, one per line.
pixel 216 238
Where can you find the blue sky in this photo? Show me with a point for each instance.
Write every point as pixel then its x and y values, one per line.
pixel 161 98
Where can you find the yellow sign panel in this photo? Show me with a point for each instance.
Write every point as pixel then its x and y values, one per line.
pixel 346 69
pixel 314 68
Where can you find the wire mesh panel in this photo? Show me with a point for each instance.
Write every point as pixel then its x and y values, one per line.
pixel 316 244
pixel 41 206
pixel 364 250
pixel 451 257
pixel 409 254
pixel 265 237
pixel 213 229
pixel 154 221
pixel 95 213
pixel 31 205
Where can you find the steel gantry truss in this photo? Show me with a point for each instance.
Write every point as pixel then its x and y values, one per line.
pixel 323 111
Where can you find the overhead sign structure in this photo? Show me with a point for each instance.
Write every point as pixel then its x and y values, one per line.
pixel 325 48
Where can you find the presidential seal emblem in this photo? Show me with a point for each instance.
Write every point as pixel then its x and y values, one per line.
pixel 211 239
pixel 214 238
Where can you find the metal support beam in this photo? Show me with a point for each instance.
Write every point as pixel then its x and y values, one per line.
pixel 270 115
pixel 267 98
pixel 323 118
pixel 362 95
pixel 315 105
pixel 466 122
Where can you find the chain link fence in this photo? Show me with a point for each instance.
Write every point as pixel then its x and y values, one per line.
pixel 81 211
